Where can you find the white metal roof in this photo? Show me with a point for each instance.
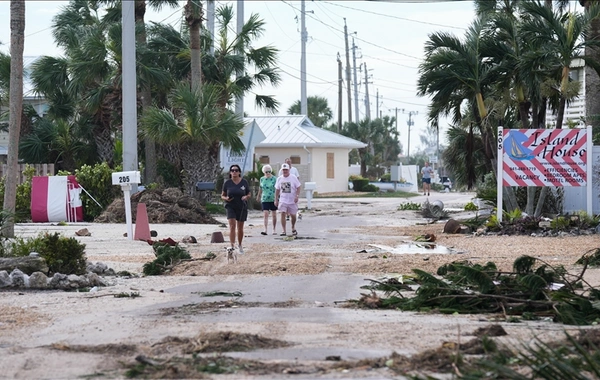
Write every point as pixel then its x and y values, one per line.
pixel 299 131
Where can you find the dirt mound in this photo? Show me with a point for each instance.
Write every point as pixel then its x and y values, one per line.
pixel 164 206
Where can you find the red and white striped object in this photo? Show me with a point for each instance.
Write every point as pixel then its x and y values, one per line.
pixel 56 199
pixel 545 157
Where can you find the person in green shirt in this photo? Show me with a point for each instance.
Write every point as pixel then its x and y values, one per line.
pixel 266 195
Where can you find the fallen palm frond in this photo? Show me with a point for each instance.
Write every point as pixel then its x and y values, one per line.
pixel 576 358
pixel 533 290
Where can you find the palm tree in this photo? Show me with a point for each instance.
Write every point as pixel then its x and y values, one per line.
pixel 592 79
pixel 234 55
pixel 145 94
pixel 318 110
pixel 17 42
pixel 560 37
pixel 369 132
pixel 455 71
pixel 85 83
pixel 193 18
pixel 191 124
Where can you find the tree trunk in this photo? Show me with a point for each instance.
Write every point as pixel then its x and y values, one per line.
pixel 592 80
pixel 541 200
pixel 17 42
pixel 198 165
pixel 193 18
pixel 531 190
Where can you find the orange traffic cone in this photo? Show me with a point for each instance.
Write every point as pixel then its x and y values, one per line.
pixel 142 227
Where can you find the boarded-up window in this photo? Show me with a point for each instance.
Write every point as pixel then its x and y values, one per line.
pixel 330 166
pixel 295 160
pixel 264 160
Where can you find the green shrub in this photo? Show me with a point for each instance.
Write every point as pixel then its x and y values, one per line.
pixel 166 256
pixel 370 188
pixel 387 177
pixel 359 184
pixel 560 223
pixel 471 207
pixel 409 206
pixel 96 180
pixel 169 173
pixel 62 254
pixel 353 177
pixel 213 208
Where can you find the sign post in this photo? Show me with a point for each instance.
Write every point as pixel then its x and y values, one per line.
pixel 126 180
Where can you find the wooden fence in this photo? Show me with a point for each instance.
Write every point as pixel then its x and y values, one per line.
pixel 40 170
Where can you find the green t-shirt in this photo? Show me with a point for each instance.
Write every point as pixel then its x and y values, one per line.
pixel 267 185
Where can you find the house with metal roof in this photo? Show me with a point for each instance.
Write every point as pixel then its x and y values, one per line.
pixel 321 156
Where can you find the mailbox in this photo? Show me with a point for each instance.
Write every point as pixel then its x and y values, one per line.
pixel 205 186
pixel 126 178
pixel 310 186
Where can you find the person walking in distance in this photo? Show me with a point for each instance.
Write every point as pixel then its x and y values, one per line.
pixel 427 172
pixel 236 193
pixel 287 189
pixel 266 195
pixel 293 170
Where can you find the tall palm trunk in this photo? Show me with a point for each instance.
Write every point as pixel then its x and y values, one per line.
pixel 17 42
pixel 592 80
pixel 145 96
pixel 193 18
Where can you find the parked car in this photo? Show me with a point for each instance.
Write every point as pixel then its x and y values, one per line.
pixel 447 183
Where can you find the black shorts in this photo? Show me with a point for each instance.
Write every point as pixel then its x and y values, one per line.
pixel 426 180
pixel 269 206
pixel 238 213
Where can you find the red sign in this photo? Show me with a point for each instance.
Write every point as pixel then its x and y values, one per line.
pixel 544 157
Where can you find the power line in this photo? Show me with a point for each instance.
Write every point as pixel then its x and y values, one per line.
pixel 402 18
pixel 356 37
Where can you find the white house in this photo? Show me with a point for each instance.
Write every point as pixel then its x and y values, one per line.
pixel 320 155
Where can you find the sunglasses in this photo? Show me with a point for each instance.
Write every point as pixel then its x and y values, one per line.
pixel 234 170
pixel 268 171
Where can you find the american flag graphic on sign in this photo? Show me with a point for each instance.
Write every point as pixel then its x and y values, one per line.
pixel 544 157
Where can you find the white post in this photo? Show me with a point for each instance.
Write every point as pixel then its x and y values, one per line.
pixel 590 178
pixel 499 176
pixel 309 194
pixel 128 181
pixel 127 197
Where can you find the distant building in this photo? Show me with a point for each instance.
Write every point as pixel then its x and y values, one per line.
pixel 321 156
pixel 38 102
pixel 575 109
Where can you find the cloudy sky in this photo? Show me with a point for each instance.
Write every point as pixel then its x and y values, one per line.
pixel 389 36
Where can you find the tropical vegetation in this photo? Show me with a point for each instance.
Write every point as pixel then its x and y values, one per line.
pixel 512 64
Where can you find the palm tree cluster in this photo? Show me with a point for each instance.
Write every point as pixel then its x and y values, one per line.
pixel 185 92
pixel 512 64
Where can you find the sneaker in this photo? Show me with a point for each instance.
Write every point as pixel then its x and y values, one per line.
pixel 241 250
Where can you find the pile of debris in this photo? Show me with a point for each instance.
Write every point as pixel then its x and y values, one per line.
pixel 163 206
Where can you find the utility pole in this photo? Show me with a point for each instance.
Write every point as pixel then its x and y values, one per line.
pixel 377 104
pixel 348 73
pixel 210 23
pixel 355 83
pixel 239 101
pixel 130 161
pixel 367 103
pixel 410 123
pixel 304 38
pixel 340 84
